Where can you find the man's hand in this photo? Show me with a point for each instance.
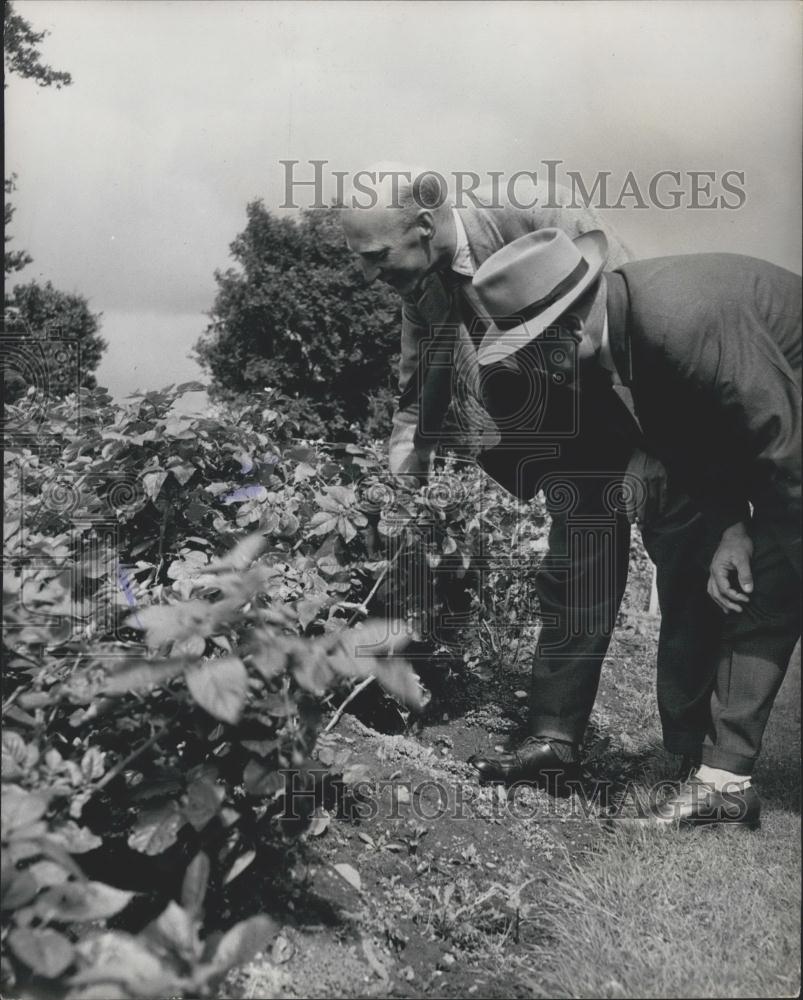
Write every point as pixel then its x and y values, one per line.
pixel 730 568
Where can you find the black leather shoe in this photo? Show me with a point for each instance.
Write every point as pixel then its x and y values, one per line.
pixel 534 762
pixel 697 804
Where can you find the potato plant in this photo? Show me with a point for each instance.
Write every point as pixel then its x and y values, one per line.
pixel 186 596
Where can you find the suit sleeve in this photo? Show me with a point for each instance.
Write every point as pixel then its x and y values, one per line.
pixel 754 397
pixel 760 397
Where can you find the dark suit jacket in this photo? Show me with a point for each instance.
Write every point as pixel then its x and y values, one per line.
pixel 714 342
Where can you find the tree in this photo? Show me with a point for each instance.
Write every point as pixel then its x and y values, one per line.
pixel 21 55
pixel 297 315
pixel 54 342
pixel 13 260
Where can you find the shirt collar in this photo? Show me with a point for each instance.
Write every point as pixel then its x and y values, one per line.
pixel 462 262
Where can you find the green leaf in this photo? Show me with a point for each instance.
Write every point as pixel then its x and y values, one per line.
pixel 75 839
pixel 398 678
pixel 322 523
pixel 18 757
pixel 165 623
pixel 319 823
pixel 370 649
pixel 220 687
pixel 19 809
pixel 114 958
pixel 48 873
pixel 243 941
pixel 153 482
pixel 183 473
pixel 239 866
pixel 175 929
pixel 194 647
pixel 18 889
pixel 45 952
pixel 204 799
pixel 346 529
pixel 242 555
pixel 93 764
pixel 193 888
pixel 80 902
pixel 308 609
pixel 142 676
pixel 157 829
pixel 262 779
pixel 302 472
pixel 350 874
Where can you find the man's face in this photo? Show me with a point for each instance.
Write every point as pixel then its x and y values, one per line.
pixel 389 247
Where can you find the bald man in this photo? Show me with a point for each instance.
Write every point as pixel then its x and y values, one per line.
pixel 416 241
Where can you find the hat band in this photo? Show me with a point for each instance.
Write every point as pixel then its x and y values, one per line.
pixel 532 310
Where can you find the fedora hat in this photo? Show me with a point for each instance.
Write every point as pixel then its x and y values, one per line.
pixel 528 284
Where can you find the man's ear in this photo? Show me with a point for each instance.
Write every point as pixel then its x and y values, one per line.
pixel 425 223
pixel 572 324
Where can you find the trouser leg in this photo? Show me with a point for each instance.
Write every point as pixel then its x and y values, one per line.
pixel 678 541
pixel 580 586
pixel 755 650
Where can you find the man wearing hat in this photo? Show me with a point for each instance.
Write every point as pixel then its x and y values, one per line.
pixel 709 346
pixel 414 240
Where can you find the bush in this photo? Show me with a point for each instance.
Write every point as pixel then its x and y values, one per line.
pixel 52 341
pixel 185 595
pixel 297 316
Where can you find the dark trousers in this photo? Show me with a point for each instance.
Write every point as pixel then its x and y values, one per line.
pixel 580 585
pixel 718 675
pixel 755 647
pixel 678 538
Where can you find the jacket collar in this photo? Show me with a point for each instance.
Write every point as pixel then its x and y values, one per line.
pixel 618 308
pixel 484 236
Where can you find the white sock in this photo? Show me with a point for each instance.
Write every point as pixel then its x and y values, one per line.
pixel 721 779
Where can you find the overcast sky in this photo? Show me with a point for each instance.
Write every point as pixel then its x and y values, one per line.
pixel 133 181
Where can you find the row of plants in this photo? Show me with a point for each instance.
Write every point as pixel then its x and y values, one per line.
pixel 186 598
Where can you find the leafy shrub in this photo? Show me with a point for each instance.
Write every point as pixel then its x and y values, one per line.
pixel 185 596
pixel 296 315
pixel 52 341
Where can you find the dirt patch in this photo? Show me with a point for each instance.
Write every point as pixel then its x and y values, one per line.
pixel 449 874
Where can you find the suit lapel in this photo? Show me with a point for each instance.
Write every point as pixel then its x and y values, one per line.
pixel 618 305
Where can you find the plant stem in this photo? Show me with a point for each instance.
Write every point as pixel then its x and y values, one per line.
pixel 362 609
pixel 336 717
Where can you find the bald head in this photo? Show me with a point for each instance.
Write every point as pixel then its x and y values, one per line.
pixel 398 220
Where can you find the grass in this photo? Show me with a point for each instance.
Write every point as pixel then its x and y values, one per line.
pixel 667 915
pixel 712 913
